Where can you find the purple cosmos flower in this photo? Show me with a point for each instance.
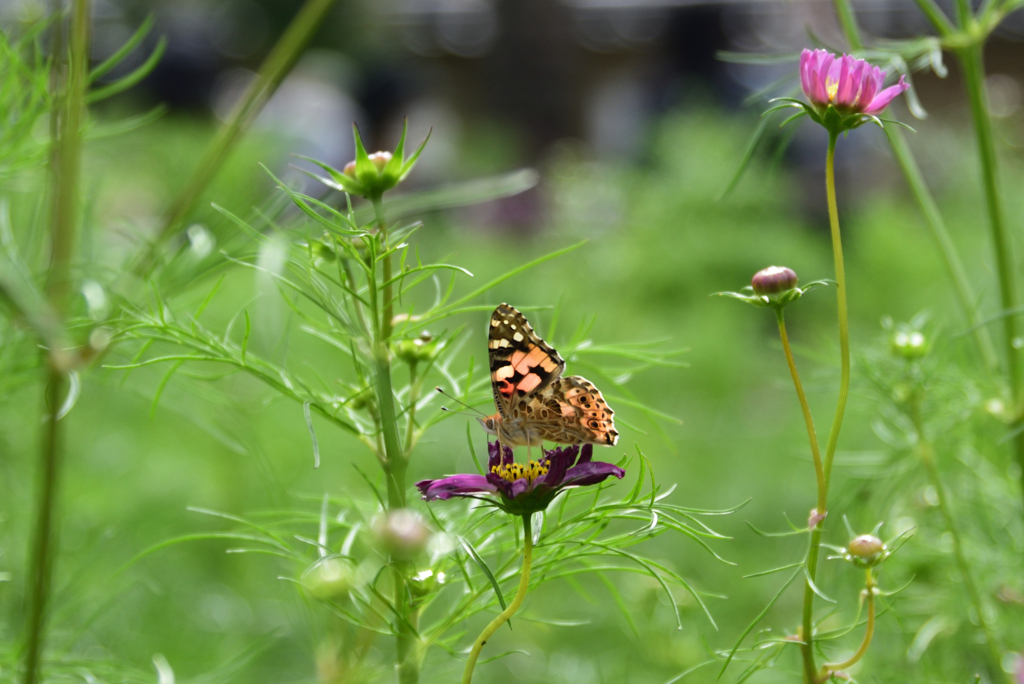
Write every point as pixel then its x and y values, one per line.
pixel 850 85
pixel 525 488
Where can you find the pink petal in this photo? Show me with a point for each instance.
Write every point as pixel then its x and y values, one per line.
pixel 806 59
pixel 846 95
pixel 869 88
pixel 818 76
pixel 882 99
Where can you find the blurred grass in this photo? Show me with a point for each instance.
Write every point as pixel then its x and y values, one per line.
pixel 659 245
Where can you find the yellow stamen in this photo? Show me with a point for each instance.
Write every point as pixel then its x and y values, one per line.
pixel 517 471
pixel 832 87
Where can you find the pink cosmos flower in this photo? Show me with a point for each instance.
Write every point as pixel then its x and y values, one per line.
pixel 850 85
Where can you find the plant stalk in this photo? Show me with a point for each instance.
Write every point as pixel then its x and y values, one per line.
pixel 843 314
pixel 869 633
pixel 927 454
pixel 810 671
pixel 933 218
pixel 972 63
pixel 524 584
pixel 812 435
pixel 69 112
pixel 272 72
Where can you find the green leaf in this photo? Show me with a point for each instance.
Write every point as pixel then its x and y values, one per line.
pixel 482 564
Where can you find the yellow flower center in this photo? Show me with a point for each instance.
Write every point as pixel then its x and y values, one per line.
pixel 515 471
pixel 832 87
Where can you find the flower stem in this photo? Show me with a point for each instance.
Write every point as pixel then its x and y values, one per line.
pixel 925 200
pixel 843 315
pixel 807 627
pixel 869 589
pixel 524 583
pixel 812 436
pixel 972 62
pixel 927 454
pixel 810 672
pixel 72 76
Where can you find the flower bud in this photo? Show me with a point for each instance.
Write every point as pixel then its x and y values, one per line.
pixel 773 280
pixel 350 169
pixel 866 549
pixel 330 580
pixel 425 582
pixel 423 348
pixel 401 534
pixel 909 345
pixel 380 160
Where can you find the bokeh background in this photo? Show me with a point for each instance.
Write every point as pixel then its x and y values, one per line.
pixel 635 126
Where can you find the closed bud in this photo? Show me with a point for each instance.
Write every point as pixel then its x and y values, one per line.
pixel 401 534
pixel 422 348
pixel 425 582
pixel 773 280
pixel 330 580
pixel 380 160
pixel 909 345
pixel 867 549
pixel 350 169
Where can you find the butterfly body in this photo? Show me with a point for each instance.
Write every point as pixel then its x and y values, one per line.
pixel 535 403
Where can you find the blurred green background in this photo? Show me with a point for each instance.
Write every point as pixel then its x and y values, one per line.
pixel 659 243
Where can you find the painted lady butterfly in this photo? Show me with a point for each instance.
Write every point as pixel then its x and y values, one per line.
pixel 535 403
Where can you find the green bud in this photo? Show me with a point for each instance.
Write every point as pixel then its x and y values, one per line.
pixel 401 534
pixel 371 175
pixel 909 345
pixel 425 582
pixel 329 580
pixel 423 348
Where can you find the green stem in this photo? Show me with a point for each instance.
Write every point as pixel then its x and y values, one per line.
pixel 927 453
pixel 930 210
pixel 869 633
pixel 843 315
pixel 935 15
pixel 807 628
pixel 395 459
pixel 414 396
pixel 810 672
pixel 273 70
pixel 69 111
pixel 940 233
pixel 972 62
pixel 812 435
pixel 382 227
pixel 848 22
pixel 524 584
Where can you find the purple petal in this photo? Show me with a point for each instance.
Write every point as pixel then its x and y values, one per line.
pixel 590 473
pixel 559 460
pixel 882 99
pixel 493 455
pixel 586 453
pixel 519 486
pixel 499 484
pixel 455 485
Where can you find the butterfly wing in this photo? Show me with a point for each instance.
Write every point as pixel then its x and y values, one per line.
pixel 571 410
pixel 522 364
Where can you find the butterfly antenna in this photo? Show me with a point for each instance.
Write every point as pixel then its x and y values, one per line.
pixel 458 401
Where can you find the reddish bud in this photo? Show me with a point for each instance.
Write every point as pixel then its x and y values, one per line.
pixel 773 280
pixel 350 169
pixel 867 548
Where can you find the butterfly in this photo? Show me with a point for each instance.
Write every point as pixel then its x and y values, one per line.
pixel 535 403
